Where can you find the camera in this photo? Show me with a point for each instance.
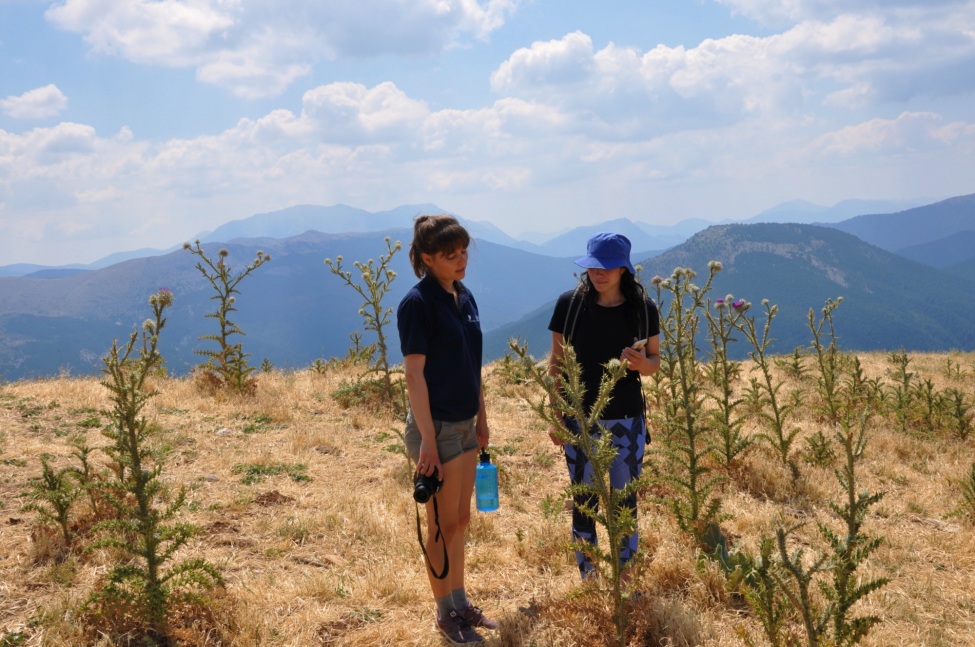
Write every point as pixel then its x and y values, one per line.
pixel 425 486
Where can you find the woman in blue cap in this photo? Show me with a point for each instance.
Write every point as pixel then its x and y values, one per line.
pixel 607 316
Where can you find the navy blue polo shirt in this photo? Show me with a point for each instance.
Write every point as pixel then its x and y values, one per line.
pixel 449 335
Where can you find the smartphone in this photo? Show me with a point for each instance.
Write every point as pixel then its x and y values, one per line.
pixel 640 344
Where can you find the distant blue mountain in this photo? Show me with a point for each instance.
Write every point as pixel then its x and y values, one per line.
pixel 807 213
pixel 944 252
pixel 570 242
pixel 932 222
pixel 294 311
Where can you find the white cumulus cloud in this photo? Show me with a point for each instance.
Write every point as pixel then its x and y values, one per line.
pixel 258 48
pixel 40 103
pixel 851 61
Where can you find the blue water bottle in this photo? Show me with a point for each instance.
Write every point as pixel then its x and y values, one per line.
pixel 486 484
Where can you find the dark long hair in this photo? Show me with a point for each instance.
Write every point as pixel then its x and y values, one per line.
pixel 435 234
pixel 634 295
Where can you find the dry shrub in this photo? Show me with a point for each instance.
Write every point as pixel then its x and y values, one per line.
pixel 663 621
pixel 209 620
pixel 763 477
pixel 208 383
pixel 47 544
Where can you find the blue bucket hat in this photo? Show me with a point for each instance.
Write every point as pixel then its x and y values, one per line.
pixel 607 251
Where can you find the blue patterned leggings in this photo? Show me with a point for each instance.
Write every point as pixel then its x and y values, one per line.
pixel 629 438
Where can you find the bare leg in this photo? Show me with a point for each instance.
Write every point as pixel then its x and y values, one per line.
pixel 454 509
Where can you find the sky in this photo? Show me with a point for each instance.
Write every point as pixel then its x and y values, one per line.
pixel 130 124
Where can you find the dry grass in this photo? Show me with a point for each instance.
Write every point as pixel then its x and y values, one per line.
pixel 334 560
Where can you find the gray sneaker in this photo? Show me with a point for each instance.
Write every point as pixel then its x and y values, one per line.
pixel 474 617
pixel 456 630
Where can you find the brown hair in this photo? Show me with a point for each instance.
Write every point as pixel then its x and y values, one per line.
pixel 435 234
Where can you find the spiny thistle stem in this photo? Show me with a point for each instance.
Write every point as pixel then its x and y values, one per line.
pixel 779 438
pixel 722 322
pixel 376 280
pixel 563 396
pixel 687 446
pixel 827 359
pixel 229 363
pixel 148 534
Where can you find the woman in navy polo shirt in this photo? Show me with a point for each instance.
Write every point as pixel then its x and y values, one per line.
pixel 440 337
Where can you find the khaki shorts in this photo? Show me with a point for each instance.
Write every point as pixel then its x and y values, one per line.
pixel 453 438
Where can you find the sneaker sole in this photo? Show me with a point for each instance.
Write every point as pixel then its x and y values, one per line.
pixel 454 642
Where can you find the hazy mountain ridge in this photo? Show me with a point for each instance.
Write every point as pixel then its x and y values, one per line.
pixel 925 224
pixel 804 212
pixel 944 252
pixel 341 218
pixel 294 311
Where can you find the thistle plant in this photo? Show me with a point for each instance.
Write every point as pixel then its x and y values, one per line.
pixel 227 365
pixel 827 619
pixel 763 594
pixel 927 399
pixel 687 447
pixel 563 396
pixel 958 411
pixel 722 323
pixel 827 360
pixel 775 412
pixel 819 450
pixel 794 579
pixel 850 548
pixel 902 390
pixel 376 280
pixel 147 533
pixel 861 392
pixel 966 488
pixel 52 496
pixel 954 370
pixel 89 478
pixel 793 365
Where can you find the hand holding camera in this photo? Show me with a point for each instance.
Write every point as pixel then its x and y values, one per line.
pixel 425 486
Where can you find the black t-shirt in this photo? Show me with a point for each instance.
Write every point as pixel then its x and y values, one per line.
pixel 449 335
pixel 599 335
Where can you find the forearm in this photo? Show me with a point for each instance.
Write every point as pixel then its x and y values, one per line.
pixel 416 390
pixel 483 433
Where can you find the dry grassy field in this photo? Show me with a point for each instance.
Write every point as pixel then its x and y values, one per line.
pixel 306 508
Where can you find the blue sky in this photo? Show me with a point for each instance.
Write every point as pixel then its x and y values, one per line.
pixel 141 123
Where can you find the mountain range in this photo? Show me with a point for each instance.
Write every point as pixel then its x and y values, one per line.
pixel 905 280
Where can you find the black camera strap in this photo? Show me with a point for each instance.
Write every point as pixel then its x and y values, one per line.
pixel 438 537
